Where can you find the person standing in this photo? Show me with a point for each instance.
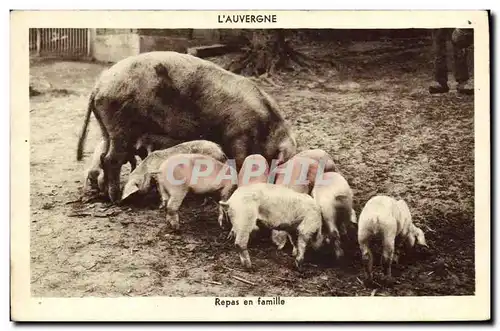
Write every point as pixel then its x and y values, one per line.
pixel 461 39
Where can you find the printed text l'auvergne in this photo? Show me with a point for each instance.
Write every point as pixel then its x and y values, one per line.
pixel 247 18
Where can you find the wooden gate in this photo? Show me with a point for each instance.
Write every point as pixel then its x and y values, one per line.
pixel 60 42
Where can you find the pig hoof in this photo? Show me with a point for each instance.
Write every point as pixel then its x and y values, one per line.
pixel 247 266
pixel 298 266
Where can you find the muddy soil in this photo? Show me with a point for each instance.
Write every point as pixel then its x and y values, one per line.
pixel 373 115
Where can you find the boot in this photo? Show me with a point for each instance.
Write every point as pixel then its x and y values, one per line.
pixel 438 88
pixel 465 88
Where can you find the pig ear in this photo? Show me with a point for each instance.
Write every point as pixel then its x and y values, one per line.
pixel 420 237
pixel 128 191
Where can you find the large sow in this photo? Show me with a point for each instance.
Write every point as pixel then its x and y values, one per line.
pixel 185 98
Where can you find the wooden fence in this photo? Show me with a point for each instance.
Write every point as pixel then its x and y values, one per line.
pixel 61 42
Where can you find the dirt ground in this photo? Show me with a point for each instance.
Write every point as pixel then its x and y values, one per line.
pixel 374 116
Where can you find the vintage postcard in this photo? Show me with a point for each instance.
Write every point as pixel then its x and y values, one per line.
pixel 250 166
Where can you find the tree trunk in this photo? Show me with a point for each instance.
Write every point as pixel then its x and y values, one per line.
pixel 266 52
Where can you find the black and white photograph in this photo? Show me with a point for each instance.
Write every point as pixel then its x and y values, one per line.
pixel 251 166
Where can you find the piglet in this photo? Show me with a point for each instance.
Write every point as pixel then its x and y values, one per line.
pixel 298 174
pixel 334 196
pixel 254 169
pixel 140 180
pixel 389 219
pixel 198 173
pixel 319 155
pixel 276 207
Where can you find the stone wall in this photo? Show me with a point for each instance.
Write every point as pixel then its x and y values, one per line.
pixel 114 31
pixel 158 43
pixel 112 45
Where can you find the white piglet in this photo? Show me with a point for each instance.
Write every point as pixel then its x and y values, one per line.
pixel 140 180
pixel 298 174
pixel 390 220
pixel 321 156
pixel 334 196
pixel 197 173
pixel 276 207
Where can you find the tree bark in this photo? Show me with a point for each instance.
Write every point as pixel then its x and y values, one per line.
pixel 267 52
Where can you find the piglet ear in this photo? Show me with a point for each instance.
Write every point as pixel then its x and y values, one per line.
pixel 421 241
pixel 420 237
pixel 128 191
